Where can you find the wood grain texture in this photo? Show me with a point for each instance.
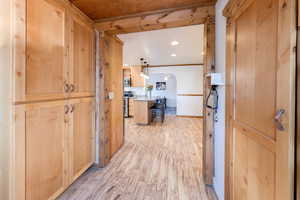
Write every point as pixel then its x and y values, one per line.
pixel 111 108
pixel 230 43
pixel 298 112
pixel 109 9
pixel 208 127
pixel 142 113
pixel 161 161
pixel 46 48
pixel 41 55
pixel 81 58
pixel 81 136
pixel 178 18
pixel 261 51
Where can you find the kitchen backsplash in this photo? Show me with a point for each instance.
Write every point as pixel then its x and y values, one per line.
pixel 136 90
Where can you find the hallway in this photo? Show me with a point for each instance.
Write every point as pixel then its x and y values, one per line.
pixel 156 162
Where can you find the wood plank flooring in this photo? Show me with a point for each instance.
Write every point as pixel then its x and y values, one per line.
pixel 157 162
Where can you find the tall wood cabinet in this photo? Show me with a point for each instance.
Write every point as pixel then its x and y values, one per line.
pixel 54 132
pixel 59 54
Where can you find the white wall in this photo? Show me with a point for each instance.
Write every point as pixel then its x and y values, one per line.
pixel 171 91
pixel 220 124
pixel 189 81
pixel 5 104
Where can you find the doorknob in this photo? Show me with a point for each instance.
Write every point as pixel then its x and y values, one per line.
pixel 278 118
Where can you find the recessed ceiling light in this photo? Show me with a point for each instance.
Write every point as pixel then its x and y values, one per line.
pixel 173 55
pixel 174 43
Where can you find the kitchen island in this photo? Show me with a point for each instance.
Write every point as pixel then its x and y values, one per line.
pixel 142 111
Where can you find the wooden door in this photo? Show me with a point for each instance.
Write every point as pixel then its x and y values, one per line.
pixel 263 90
pixel 82 63
pixel 111 94
pixel 45 74
pixel 45 149
pixel 82 136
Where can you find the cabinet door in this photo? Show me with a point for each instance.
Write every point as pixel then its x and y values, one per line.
pixel 82 74
pixel 45 73
pixel 137 79
pixel 44 140
pixel 82 131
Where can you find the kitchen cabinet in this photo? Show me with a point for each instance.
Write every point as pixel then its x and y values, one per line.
pixel 82 67
pixel 142 110
pixel 59 53
pixel 131 107
pixel 136 79
pixel 55 145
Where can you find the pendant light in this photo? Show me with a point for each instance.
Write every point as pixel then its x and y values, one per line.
pixel 144 65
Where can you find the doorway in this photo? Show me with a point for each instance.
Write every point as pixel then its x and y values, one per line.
pixel 159 152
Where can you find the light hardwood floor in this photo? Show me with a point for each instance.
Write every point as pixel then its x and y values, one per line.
pixel 159 162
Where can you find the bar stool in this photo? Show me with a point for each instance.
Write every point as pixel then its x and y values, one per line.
pixel 158 110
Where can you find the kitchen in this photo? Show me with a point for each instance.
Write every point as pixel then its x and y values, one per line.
pixel 156 84
pixel 143 108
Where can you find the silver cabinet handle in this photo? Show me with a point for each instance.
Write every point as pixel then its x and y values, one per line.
pixel 72 108
pixel 278 119
pixel 66 87
pixel 67 108
pixel 72 88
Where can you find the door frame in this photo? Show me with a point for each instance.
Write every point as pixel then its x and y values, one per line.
pixel 233 10
pixel 155 21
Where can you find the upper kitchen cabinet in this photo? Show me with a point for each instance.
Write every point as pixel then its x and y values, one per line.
pixel 82 65
pixel 136 79
pixel 42 74
pixel 54 52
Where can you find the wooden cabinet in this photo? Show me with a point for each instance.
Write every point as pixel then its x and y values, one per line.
pixel 142 112
pixel 136 79
pixel 59 53
pixel 41 139
pixel 81 136
pixel 53 138
pixel 54 146
pixel 82 68
pixel 131 107
pixel 44 74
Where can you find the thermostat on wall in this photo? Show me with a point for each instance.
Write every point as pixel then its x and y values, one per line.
pixel 216 78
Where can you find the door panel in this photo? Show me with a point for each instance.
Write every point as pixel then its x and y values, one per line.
pixel 45 150
pixel 82 64
pixel 256 67
pixel 46 49
pixel 254 169
pixel 82 113
pixel 262 154
pixel 111 93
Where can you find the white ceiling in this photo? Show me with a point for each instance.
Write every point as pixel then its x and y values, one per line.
pixel 156 46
